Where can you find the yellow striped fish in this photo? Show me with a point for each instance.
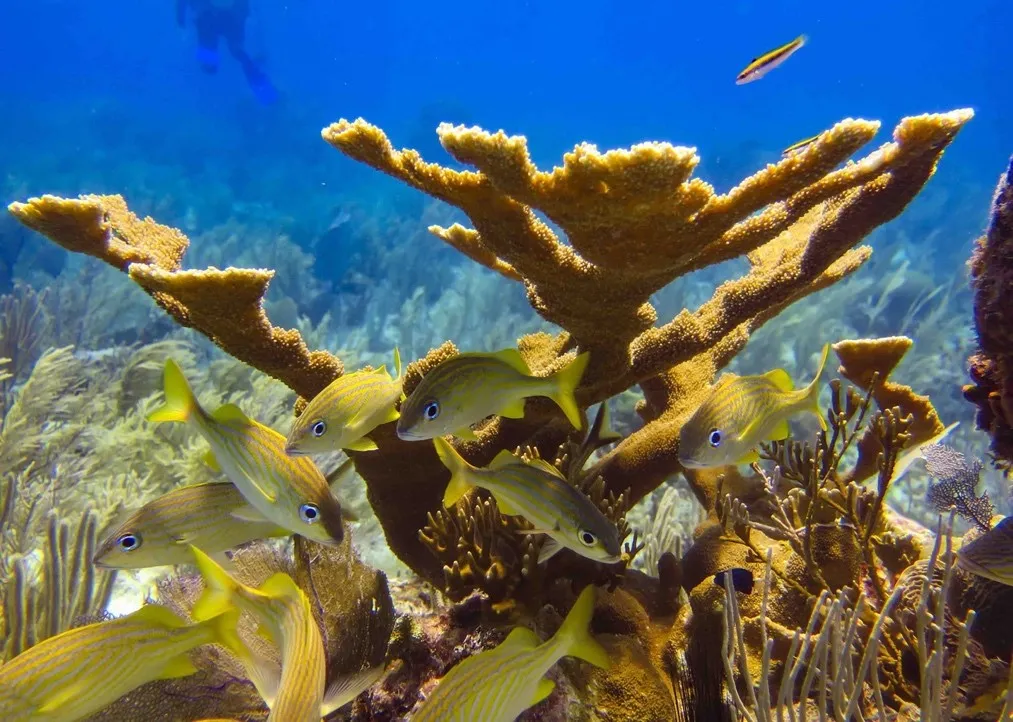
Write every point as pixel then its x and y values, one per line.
pixel 499 684
pixel 295 691
pixel 741 412
pixel 799 146
pixel 469 387
pixel 760 66
pixel 536 491
pixel 290 492
pixel 341 415
pixel 991 554
pixel 75 674
pixel 214 517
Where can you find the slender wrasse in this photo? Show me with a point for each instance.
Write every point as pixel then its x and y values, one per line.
pixel 341 415
pixel 760 66
pixel 467 388
pixel 75 674
pixel 295 691
pixel 289 491
pixel 799 146
pixel 500 683
pixel 741 412
pixel 536 491
pixel 214 517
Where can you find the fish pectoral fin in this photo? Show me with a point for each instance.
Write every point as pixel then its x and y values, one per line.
pixel 391 416
pixel 265 673
pixel 180 666
pixel 68 695
pixel 782 430
pixel 246 512
pixel 212 461
pixel 781 379
pixel 544 689
pixel 513 410
pixel 260 488
pixel 550 547
pixel 349 686
pixel 466 433
pixel 749 458
pixel 363 444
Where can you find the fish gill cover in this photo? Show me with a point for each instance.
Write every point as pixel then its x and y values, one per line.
pixel 601 292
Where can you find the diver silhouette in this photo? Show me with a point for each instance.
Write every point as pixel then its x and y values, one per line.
pixel 215 20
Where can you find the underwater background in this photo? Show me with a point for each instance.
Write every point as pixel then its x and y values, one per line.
pixel 111 98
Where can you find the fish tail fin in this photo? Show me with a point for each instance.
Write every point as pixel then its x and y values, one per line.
pixel 566 382
pixel 460 471
pixel 812 392
pixel 180 402
pixel 218 588
pixel 575 633
pixel 224 627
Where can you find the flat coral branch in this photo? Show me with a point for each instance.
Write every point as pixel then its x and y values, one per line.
pixel 226 306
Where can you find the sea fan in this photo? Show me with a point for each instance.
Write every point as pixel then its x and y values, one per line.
pixel 956 482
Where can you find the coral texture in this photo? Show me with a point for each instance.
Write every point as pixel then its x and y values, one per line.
pixel 634 220
pixel 991 368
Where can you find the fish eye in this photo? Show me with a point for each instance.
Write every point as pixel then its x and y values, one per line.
pixel 129 542
pixel 319 428
pixel 714 438
pixel 431 409
pixel 587 538
pixel 309 513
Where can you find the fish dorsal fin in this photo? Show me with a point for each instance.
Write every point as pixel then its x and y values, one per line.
pixel 157 614
pixel 543 465
pixel 521 638
pixel 397 363
pixel 230 412
pixel 503 458
pixel 280 585
pixel 781 380
pixel 512 358
pixel 349 686
pixel 543 690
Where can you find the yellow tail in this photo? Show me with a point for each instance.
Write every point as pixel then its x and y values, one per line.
pixel 567 381
pixel 218 588
pixel 575 633
pixel 180 402
pixel 812 392
pixel 224 627
pixel 459 469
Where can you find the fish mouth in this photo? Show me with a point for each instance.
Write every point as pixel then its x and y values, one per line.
pixel 292 449
pixel 690 463
pixel 408 435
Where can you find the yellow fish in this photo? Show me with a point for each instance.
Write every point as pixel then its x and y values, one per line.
pixel 741 412
pixel 341 415
pixel 471 386
pixel 799 146
pixel 295 691
pixel 499 684
pixel 214 517
pixel 539 493
pixel 75 674
pixel 991 554
pixel 760 66
pixel 291 492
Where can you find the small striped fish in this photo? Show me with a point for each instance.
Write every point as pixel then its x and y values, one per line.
pixel 75 674
pixel 741 412
pixel 541 495
pixel 991 554
pixel 499 684
pixel 295 692
pixel 799 146
pixel 290 492
pixel 341 415
pixel 471 386
pixel 213 516
pixel 760 66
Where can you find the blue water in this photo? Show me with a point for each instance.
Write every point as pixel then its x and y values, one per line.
pixel 108 97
